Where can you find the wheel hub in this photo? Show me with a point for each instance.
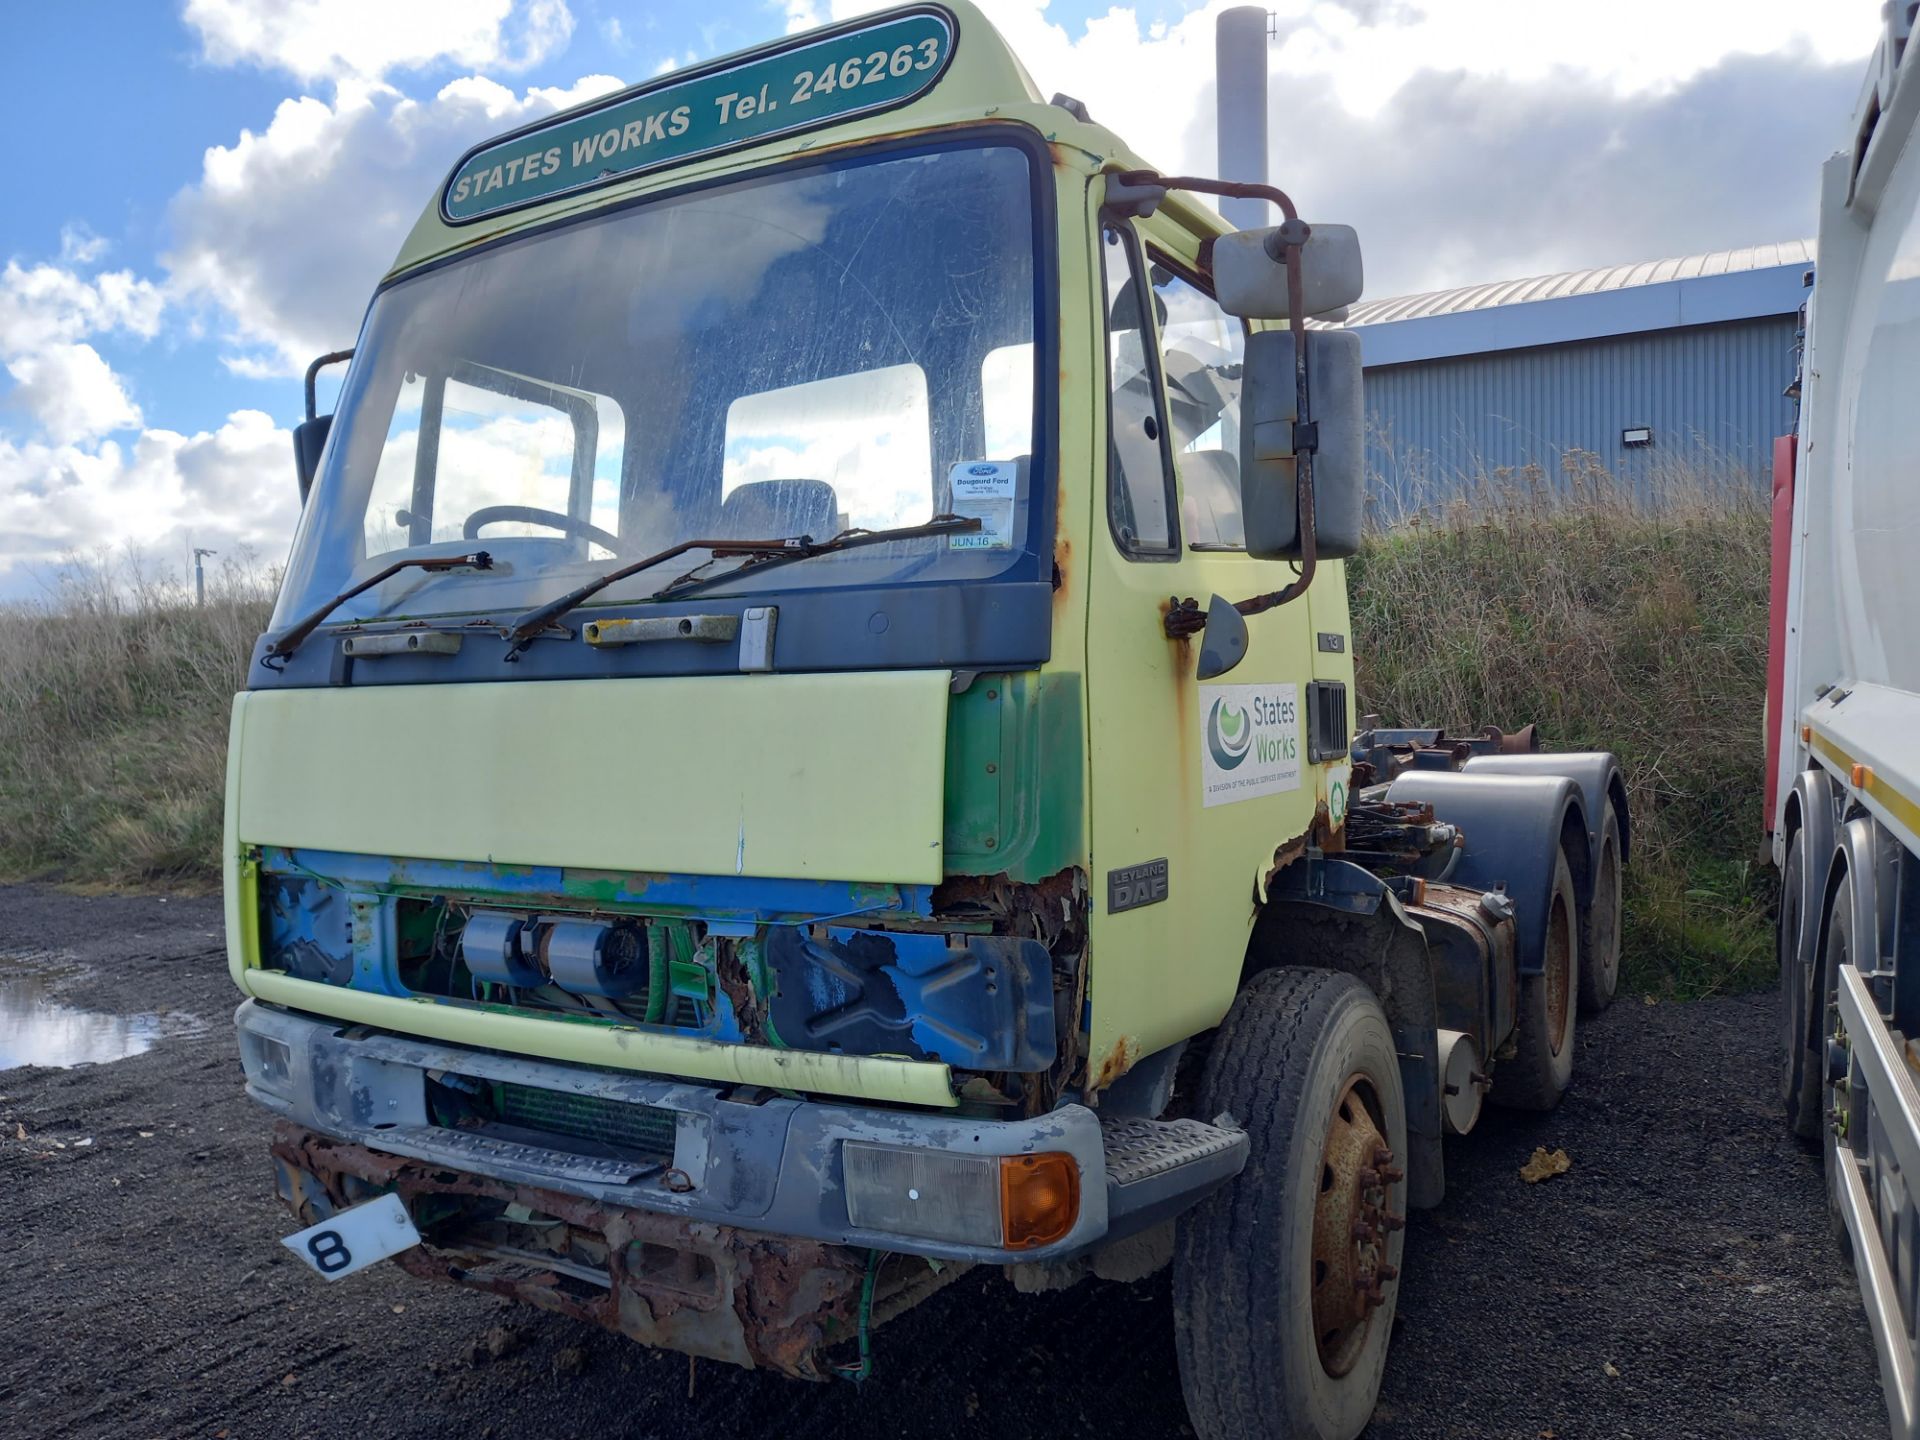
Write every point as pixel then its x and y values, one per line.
pixel 1351 1228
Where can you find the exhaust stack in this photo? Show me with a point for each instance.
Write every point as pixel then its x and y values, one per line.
pixel 1240 90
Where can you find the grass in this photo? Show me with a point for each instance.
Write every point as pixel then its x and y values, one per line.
pixel 114 695
pixel 1635 623
pixel 1631 622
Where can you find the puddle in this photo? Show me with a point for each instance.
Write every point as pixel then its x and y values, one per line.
pixel 37 1028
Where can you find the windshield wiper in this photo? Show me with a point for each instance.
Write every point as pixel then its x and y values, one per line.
pixel 759 554
pixel 290 641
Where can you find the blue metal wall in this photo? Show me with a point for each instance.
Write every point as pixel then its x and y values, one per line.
pixel 1712 394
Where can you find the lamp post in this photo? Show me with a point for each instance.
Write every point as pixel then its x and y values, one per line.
pixel 200 575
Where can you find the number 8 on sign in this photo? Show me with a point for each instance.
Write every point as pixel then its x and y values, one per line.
pixel 329 1252
pixel 351 1240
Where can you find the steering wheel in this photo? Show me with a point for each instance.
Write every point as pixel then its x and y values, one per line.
pixel 531 515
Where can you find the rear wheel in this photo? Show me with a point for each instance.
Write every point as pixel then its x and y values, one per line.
pixel 1837 951
pixel 1800 1065
pixel 1284 1282
pixel 1600 926
pixel 1537 1075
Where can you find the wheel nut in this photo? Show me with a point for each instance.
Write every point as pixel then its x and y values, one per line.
pixel 1394 1222
pixel 1368 1177
pixel 1363 1231
pixel 1393 1174
pixel 1388 1272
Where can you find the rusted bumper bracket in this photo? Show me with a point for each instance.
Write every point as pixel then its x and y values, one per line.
pixel 704 1289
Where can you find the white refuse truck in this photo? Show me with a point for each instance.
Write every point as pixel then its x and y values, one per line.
pixel 1844 708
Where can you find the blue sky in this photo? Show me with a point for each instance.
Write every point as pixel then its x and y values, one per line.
pixel 212 187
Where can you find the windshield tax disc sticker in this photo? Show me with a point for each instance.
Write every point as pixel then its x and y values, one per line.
pixel 983 490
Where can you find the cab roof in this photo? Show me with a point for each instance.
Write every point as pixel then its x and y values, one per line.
pixel 980 81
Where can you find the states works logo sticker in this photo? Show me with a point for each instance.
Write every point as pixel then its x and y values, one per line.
pixel 1251 745
pixel 1229 734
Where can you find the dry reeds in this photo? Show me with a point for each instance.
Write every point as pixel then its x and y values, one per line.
pixel 114 696
pixel 1632 620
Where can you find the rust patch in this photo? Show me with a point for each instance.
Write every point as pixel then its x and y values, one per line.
pixel 731 972
pixel 1124 1055
pixel 1180 664
pixel 1062 570
pixel 703 1289
pixel 1322 834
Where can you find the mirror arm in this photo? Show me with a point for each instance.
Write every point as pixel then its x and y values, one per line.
pixel 1186 618
pixel 332 357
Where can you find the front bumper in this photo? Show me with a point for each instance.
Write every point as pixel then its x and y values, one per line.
pixel 729 1236
pixel 752 1159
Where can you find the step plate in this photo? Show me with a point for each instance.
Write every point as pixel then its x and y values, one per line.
pixel 1139 1150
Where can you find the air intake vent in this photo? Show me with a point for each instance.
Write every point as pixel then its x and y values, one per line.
pixel 1327 735
pixel 580 1124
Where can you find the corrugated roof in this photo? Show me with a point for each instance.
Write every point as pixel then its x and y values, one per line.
pixel 1580 282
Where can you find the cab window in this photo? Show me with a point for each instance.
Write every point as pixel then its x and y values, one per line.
pixel 1140 508
pixel 462 446
pixel 1202 351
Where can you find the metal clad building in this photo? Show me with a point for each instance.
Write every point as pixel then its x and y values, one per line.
pixel 1652 368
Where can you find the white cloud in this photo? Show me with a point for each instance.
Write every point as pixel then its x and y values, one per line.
pixel 46 304
pixel 229 488
pixel 1476 140
pixel 801 15
pixel 289 230
pixel 79 245
pixel 365 40
pixel 71 392
pixel 63 385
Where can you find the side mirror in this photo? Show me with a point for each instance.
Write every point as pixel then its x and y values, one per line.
pixel 310 436
pixel 309 439
pixel 1269 501
pixel 1250 278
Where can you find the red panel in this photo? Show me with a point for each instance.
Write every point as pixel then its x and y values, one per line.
pixel 1783 451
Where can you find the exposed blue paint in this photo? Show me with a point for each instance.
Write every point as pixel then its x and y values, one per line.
pixel 1712 395
pixel 713 898
pixel 985 1004
pixel 308 928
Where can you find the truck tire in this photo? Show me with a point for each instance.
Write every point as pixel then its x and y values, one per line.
pixel 1537 1075
pixel 1836 950
pixel 1800 1068
pixel 1600 926
pixel 1284 1282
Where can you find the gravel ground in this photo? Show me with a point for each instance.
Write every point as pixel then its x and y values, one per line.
pixel 1678 1282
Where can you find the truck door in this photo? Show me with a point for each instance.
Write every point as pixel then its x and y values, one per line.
pixel 1194 786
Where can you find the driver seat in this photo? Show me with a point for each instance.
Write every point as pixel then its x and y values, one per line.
pixel 772 509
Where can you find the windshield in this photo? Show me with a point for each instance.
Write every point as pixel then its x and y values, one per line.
pixel 792 355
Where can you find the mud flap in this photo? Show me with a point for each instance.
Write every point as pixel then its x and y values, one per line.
pixel 1333 915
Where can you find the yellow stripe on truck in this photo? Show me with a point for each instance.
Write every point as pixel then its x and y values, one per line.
pixel 618 1047
pixel 1868 783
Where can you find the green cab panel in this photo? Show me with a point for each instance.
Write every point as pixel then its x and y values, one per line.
pixel 1015 766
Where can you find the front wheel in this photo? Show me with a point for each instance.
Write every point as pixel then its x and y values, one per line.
pixel 1284 1282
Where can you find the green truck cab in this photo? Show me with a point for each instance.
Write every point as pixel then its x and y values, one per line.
pixel 752 800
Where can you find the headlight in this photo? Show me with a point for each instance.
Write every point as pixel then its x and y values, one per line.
pixel 267 1061
pixel 1014 1202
